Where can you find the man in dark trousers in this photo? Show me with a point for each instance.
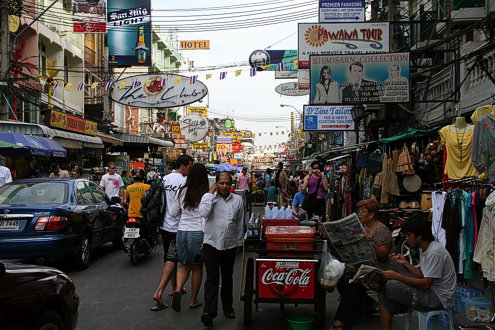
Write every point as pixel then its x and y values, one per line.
pixel 223 237
pixel 359 90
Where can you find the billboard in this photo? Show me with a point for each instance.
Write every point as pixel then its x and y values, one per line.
pixel 89 16
pixel 341 38
pixel 358 79
pixel 327 118
pixel 129 33
pixel 274 60
pixel 157 90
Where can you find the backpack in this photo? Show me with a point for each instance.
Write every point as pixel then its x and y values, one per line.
pixel 154 203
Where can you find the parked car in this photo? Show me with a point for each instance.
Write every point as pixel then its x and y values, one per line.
pixel 36 297
pixel 46 218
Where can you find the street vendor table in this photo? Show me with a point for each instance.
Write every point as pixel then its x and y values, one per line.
pixel 287 276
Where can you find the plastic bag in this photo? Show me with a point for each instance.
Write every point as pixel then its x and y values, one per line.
pixel 331 270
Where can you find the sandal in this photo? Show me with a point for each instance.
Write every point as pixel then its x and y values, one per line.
pixel 171 293
pixel 338 327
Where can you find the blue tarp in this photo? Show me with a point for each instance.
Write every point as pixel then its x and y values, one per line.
pixel 35 147
pixel 56 150
pixel 224 167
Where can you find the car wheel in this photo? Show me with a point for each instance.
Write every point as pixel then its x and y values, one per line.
pixel 84 252
pixel 49 320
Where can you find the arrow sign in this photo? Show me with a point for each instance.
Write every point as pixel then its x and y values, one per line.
pixel 328 118
pixel 346 126
pixel 346 18
pixel 340 10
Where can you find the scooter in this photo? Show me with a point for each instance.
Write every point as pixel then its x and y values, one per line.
pixel 400 242
pixel 136 240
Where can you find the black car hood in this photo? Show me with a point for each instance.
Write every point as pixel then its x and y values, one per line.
pixel 17 273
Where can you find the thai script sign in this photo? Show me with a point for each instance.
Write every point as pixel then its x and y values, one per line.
pixel 358 79
pixel 291 89
pixel 342 11
pixel 342 38
pixel 328 118
pixel 194 44
pixel 71 123
pixel 58 119
pixel 76 124
pixel 162 90
pixel 284 278
pixel 91 128
pixel 194 127
pixel 129 33
pixel 89 16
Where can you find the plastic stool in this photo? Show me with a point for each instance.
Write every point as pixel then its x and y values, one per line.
pixel 423 317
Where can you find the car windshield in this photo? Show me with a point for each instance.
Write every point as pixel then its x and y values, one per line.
pixel 33 193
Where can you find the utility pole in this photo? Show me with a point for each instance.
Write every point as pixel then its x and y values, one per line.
pixel 4 50
pixel 392 17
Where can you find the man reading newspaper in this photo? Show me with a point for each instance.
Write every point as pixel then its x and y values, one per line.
pixel 433 284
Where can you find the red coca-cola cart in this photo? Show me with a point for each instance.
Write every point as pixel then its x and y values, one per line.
pixel 284 270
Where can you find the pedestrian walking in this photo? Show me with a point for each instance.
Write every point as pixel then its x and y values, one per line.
pixel 268 182
pixel 112 183
pixel 281 184
pixel 56 172
pixel 168 231
pixel 5 175
pixel 223 234
pixel 190 234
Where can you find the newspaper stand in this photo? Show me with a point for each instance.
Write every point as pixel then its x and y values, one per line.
pixel 285 273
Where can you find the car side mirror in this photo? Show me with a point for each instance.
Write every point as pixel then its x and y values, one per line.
pixel 2 269
pixel 115 200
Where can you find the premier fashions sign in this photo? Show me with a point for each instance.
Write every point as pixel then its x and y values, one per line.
pixel 342 38
pixel 158 91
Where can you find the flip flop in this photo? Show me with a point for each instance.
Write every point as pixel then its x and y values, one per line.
pixel 159 307
pixel 171 294
pixel 199 304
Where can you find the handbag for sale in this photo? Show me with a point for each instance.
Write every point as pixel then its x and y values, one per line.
pixel 376 189
pixel 426 202
pixel 392 180
pixel 375 162
pixel 362 161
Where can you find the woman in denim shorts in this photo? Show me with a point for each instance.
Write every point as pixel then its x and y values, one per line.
pixel 190 234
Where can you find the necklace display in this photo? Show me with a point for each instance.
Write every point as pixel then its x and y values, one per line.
pixel 460 142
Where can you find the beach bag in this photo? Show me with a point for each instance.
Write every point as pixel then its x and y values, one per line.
pixel 375 162
pixel 376 189
pixel 392 180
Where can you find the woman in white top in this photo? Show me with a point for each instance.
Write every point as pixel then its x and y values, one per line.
pixel 327 90
pixel 190 234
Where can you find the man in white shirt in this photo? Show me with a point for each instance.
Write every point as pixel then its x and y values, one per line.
pixel 171 183
pixel 112 183
pixel 5 175
pixel 223 236
pixel 57 172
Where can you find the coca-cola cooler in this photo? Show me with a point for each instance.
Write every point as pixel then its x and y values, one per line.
pixel 289 238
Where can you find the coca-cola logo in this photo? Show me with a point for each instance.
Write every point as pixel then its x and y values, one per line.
pixel 294 276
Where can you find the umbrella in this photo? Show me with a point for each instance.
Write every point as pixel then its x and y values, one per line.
pixel 8 145
pixel 224 167
pixel 35 147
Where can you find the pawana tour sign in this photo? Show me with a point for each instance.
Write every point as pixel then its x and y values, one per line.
pixel 194 127
pixel 158 90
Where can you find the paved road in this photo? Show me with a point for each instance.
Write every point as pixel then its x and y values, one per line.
pixel 116 295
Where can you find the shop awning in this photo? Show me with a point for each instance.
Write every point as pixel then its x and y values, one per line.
pixel 409 133
pixel 56 150
pixel 35 147
pixel 141 139
pixel 110 139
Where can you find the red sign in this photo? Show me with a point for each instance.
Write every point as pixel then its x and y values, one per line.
pixel 294 279
pixel 76 124
pixel 237 147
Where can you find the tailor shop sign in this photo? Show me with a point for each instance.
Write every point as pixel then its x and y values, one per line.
pixel 158 91
pixel 291 89
pixel 71 123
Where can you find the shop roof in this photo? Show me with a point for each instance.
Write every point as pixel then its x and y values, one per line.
pixel 409 133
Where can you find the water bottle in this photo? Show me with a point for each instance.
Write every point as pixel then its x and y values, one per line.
pixel 281 213
pixel 288 213
pixel 274 212
pixel 268 212
pixel 255 227
pixel 250 231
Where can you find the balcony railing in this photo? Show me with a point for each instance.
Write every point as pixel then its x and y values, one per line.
pixel 421 31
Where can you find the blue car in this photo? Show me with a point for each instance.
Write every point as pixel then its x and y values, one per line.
pixel 47 218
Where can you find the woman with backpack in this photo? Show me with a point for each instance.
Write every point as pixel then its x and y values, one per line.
pixel 190 234
pixel 317 185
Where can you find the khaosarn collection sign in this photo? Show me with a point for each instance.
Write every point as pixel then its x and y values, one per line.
pixel 359 79
pixel 158 90
pixel 341 38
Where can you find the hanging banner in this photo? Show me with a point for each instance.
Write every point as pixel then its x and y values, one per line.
pixel 129 33
pixel 360 79
pixel 291 89
pixel 274 60
pixel 341 38
pixel 157 91
pixel 89 16
pixel 194 127
pixel 327 118
pixel 342 11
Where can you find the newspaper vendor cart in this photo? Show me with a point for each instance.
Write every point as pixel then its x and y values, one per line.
pixel 283 269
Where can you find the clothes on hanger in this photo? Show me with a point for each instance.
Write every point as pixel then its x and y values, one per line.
pixel 484 252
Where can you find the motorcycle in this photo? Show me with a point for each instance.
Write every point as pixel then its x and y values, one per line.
pixel 400 242
pixel 139 238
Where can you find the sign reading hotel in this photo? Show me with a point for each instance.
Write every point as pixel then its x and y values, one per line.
pixel 342 11
pixel 341 38
pixel 327 118
pixel 194 127
pixel 157 91
pixel 194 44
pixel 359 79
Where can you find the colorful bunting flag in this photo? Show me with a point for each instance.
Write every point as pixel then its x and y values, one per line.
pixel 222 75
pixel 252 72
pixel 238 72
pixel 281 66
pixel 55 85
pixel 164 81
pixel 122 84
pixel 94 85
pixel 208 76
pixel 134 83
pixel 108 85
pixel 178 80
pixel 68 86
pixel 260 134
pixel 192 80
pixel 282 132
pixel 80 86
pixel 271 133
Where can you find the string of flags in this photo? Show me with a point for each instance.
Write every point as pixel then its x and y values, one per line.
pixel 192 80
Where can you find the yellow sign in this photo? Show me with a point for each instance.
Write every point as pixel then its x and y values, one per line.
pixel 224 147
pixel 194 44
pixel 200 110
pixel 176 128
pixel 200 145
pixel 91 128
pixel 58 119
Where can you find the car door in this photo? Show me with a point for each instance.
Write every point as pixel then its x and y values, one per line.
pixel 112 222
pixel 90 211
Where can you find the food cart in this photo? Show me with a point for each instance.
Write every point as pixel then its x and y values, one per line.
pixel 284 269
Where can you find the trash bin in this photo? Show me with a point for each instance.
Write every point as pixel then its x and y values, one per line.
pixel 300 323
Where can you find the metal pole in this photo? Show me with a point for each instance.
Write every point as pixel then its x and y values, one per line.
pixel 4 50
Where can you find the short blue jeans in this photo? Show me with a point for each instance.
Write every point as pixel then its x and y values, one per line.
pixel 188 247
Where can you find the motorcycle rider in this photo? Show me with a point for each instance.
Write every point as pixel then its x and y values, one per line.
pixel 133 195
